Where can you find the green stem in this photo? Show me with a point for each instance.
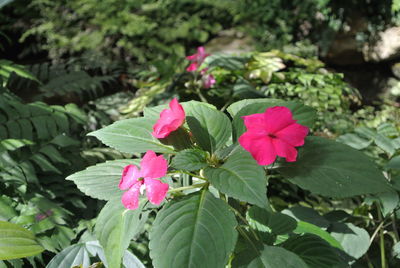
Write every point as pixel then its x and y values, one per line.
pixel 194 186
pixel 188 173
pixel 381 240
pixel 201 96
pixel 245 221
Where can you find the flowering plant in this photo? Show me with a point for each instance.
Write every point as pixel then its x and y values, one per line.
pixel 208 185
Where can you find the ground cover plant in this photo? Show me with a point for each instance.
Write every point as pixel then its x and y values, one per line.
pixel 127 141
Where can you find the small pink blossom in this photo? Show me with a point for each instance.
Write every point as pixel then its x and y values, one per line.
pixel 133 180
pixel 196 59
pixel 208 80
pixel 170 120
pixel 272 133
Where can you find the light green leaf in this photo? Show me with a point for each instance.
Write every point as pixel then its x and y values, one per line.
pixel 116 227
pixel 314 251
pixel 101 181
pixel 240 177
pixel 275 222
pixel 308 215
pixel 17 242
pixel 131 136
pixel 335 170
pixel 354 141
pixel 396 250
pixel 71 256
pixel 305 227
pixel 190 159
pixel 197 231
pixel 385 144
pixel 303 114
pixel 354 240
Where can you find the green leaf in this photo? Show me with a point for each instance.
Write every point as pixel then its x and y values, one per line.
pixel 131 136
pixel 305 227
pixel 71 256
pixel 240 177
pixel 335 170
pixel 197 231
pixel 389 201
pixel 354 141
pixel 275 222
pixel 385 144
pixel 303 114
pixel 394 163
pixel 308 215
pixel 315 251
pixel 274 257
pixel 17 242
pixel 354 240
pixel 190 159
pixel 210 127
pixel 101 181
pixel 116 227
pixel 396 250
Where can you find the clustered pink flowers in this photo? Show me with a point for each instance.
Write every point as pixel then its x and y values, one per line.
pixel 272 133
pixel 196 60
pixel 152 166
pixel 269 134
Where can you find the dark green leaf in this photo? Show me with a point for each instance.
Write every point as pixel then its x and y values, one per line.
pixel 240 177
pixel 190 159
pixel 332 169
pixel 266 221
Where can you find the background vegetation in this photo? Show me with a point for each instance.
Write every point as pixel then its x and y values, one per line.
pixel 68 68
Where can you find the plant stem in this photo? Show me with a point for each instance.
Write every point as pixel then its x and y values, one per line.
pixel 188 173
pixel 201 96
pixel 245 221
pixel 381 239
pixel 193 186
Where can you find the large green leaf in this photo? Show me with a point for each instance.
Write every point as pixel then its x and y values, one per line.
pixel 308 215
pixel 101 181
pixel 354 240
pixel 131 136
pixel 115 228
pixel 303 114
pixel 315 251
pixel 240 177
pixel 17 242
pixel 197 231
pixel 275 222
pixel 274 257
pixel 332 169
pixel 190 159
pixel 210 127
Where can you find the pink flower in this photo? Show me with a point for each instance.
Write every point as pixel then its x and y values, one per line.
pixel 133 180
pixel 208 80
pixel 272 133
pixel 170 120
pixel 196 59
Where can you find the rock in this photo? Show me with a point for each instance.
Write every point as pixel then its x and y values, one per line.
pixel 386 47
pixel 230 41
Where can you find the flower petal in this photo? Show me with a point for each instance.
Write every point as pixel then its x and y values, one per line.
pixel 129 177
pixel 260 147
pixel 284 149
pixel 278 118
pixel 155 190
pixel 153 166
pixel 130 199
pixel 255 122
pixel 293 134
pixel 192 67
pixel 170 120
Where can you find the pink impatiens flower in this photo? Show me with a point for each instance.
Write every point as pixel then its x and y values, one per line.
pixel 196 59
pixel 170 120
pixel 208 79
pixel 272 133
pixel 133 180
